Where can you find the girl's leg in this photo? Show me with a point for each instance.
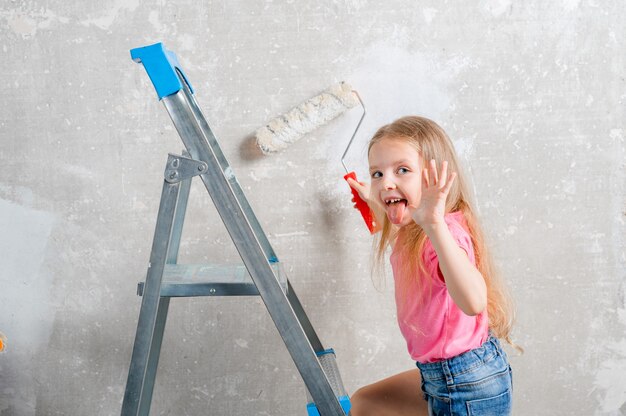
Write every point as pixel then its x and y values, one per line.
pixel 397 395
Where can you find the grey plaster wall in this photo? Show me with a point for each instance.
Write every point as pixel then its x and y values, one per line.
pixel 532 93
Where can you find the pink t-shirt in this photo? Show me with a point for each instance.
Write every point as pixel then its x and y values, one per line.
pixel 434 327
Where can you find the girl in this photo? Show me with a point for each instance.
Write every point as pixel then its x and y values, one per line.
pixel 451 306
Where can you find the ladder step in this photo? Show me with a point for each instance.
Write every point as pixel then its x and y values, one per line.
pixel 188 280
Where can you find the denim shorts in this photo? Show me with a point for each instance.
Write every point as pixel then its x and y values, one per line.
pixel 477 382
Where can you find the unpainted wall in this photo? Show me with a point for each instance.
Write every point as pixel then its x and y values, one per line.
pixel 532 94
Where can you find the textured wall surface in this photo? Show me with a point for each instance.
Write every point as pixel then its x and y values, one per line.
pixel 532 93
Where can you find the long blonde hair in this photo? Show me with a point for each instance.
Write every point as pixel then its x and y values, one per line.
pixel 431 142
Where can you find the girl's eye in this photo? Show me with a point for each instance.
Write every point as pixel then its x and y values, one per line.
pixel 402 171
pixel 376 175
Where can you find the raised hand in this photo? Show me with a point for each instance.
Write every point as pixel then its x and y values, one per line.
pixel 435 189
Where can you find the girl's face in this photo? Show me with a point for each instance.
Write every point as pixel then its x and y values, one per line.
pixel 396 180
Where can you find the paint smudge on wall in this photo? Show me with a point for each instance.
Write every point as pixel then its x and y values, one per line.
pixel 429 14
pixel 610 348
pixel 106 19
pixel 154 20
pixel 186 42
pixel 25 306
pixel 26 24
pixel 609 378
pixel 373 346
pixel 496 8
pixel 570 5
pixel 464 147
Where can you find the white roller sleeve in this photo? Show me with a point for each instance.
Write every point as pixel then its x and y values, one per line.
pixel 283 130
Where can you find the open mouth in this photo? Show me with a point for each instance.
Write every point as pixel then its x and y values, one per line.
pixel 395 209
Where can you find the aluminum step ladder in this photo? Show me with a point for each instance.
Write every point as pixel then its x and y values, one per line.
pixel 261 273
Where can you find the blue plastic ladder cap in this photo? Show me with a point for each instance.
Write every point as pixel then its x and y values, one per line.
pixel 311 410
pixel 324 352
pixel 161 66
pixel 344 401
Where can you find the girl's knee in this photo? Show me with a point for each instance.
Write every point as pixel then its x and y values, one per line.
pixel 362 403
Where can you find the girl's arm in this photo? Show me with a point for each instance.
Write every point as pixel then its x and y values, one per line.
pixel 465 283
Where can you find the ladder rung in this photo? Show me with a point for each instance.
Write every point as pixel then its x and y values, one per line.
pixel 187 280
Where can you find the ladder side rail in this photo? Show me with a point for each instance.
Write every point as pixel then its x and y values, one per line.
pixel 153 356
pixel 303 318
pixel 179 220
pixel 147 322
pixel 164 301
pixel 253 256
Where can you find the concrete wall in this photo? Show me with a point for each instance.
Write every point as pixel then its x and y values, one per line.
pixel 532 93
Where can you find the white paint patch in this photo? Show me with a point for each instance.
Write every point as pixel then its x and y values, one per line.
pixel 293 234
pixel 610 379
pixel 153 18
pixel 510 230
pixel 25 306
pixel 20 194
pixel 570 5
pixel 429 14
pixel 617 134
pixel 26 25
pixel 78 171
pixel 464 147
pixel 186 42
pixel 496 7
pixel 49 17
pixel 23 25
pixel 595 239
pixel 242 343
pixel 105 20
pixel 609 385
pixel 373 345
pixel 253 176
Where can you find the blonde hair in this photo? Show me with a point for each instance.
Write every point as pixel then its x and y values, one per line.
pixel 431 142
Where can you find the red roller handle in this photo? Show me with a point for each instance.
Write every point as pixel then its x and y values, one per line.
pixel 361 205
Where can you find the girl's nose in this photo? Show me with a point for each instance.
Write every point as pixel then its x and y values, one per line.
pixel 388 184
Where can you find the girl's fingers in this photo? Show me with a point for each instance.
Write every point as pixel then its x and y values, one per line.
pixel 354 184
pixel 431 176
pixel 446 189
pixel 433 171
pixel 444 174
pixel 357 186
pixel 425 179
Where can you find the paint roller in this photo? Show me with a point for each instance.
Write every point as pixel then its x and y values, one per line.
pixel 280 132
